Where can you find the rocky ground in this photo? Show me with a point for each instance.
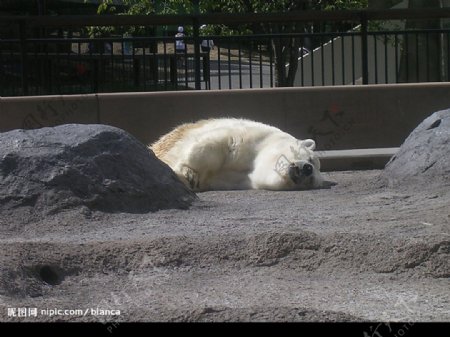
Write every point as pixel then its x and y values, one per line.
pixel 374 247
pixel 356 251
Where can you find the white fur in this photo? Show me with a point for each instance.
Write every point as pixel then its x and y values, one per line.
pixel 225 154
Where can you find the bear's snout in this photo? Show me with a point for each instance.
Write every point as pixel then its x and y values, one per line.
pixel 298 172
pixel 307 169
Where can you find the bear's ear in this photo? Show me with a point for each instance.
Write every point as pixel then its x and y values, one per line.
pixel 309 144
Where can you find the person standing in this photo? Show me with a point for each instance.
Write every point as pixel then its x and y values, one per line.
pixel 180 45
pixel 206 44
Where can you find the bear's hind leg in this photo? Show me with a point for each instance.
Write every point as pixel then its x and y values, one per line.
pixel 188 176
pixel 192 177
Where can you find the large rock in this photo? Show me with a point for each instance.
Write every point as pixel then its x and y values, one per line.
pixel 424 157
pixel 96 166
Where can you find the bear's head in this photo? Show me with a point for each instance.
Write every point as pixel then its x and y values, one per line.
pixel 301 166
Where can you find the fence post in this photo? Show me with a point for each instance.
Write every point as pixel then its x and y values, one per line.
pixel 173 70
pixel 364 48
pixel 96 74
pixel 137 71
pixel 197 75
pixel 23 57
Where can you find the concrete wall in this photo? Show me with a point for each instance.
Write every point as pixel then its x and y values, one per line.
pixel 339 117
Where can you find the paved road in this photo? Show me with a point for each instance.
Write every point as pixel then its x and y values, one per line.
pixel 229 75
pixel 232 75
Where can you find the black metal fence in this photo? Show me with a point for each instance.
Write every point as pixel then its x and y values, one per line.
pixel 54 55
pixel 80 65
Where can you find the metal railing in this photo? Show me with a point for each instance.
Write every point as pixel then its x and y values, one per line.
pixel 80 65
pixel 53 55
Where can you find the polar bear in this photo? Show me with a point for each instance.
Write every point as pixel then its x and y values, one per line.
pixel 236 154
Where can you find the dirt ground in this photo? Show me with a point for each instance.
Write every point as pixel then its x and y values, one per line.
pixel 358 251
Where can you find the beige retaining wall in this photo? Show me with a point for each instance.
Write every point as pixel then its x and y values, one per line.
pixel 340 117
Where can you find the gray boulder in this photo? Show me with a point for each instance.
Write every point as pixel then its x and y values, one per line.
pixel 424 157
pixel 96 166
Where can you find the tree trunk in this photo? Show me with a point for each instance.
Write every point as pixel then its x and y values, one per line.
pixel 286 60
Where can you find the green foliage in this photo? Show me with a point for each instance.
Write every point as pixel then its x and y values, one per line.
pixel 139 7
pixel 262 6
pixel 344 4
pixel 228 6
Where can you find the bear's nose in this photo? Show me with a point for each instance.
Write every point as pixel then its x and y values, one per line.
pixel 307 169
